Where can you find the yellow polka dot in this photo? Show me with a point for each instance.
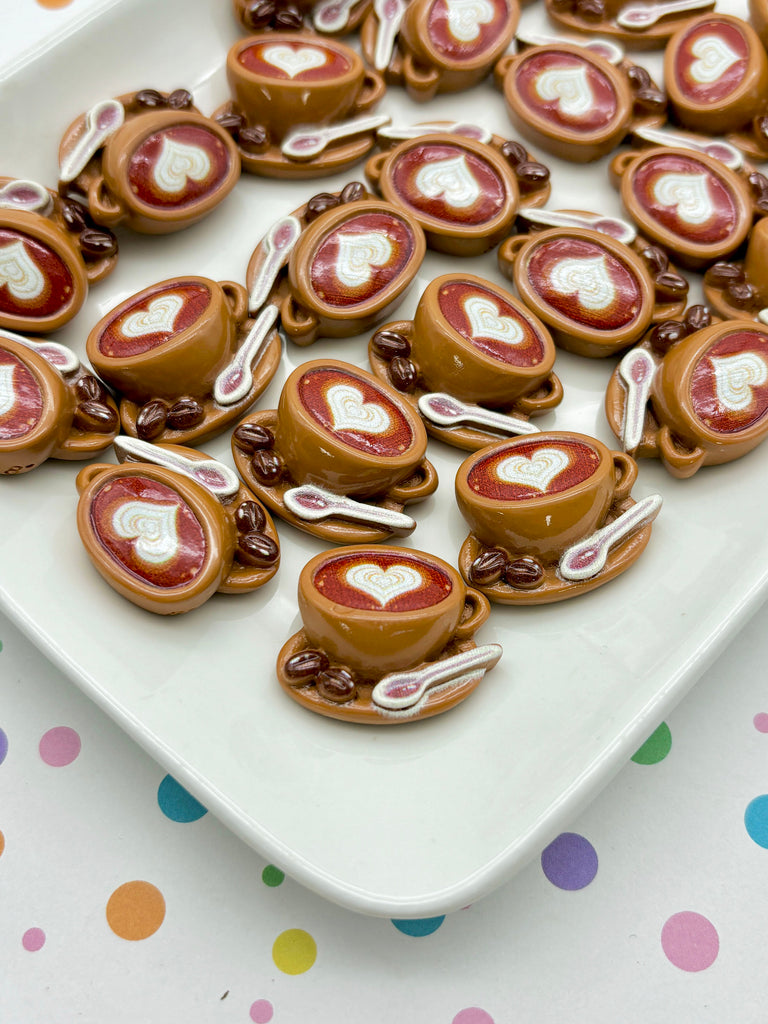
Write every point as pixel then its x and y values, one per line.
pixel 294 951
pixel 2 843
pixel 135 910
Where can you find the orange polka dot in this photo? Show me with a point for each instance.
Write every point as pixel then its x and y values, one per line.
pixel 135 910
pixel 54 3
pixel 2 843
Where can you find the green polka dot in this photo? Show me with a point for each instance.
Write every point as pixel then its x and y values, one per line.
pixel 1 645
pixel 272 876
pixel 656 747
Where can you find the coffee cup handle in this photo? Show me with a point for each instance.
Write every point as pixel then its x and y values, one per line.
pixel 500 70
pixel 625 470
pixel 479 610
pixel 87 475
pixel 373 168
pixel 421 84
pixel 548 395
pixel 104 207
pixel 237 299
pixel 619 165
pixel 420 485
pixel 508 251
pixel 371 92
pixel 299 324
pixel 680 461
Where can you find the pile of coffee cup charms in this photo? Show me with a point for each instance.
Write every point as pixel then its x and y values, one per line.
pixel 387 632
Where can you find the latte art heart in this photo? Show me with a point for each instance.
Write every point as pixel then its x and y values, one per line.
pixel 587 279
pixel 20 274
pixel 158 318
pixel 466 16
pixel 485 321
pixel 383 586
pixel 293 62
pixel 715 57
pixel 179 163
pixel 450 180
pixel 359 254
pixel 152 527
pixel 350 411
pixel 538 471
pixel 736 376
pixel 570 87
pixel 688 193
pixel 7 390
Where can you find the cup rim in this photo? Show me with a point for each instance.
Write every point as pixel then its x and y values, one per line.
pixel 421 10
pixel 236 68
pixel 54 390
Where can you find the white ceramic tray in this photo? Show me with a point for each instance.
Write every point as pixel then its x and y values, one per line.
pixel 401 822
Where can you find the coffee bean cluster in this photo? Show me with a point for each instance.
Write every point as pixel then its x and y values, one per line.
pixel 156 416
pixel 258 442
pixel 254 547
pixel 93 413
pixel 669 332
pixel 494 565
pixel 333 682
pixel 395 349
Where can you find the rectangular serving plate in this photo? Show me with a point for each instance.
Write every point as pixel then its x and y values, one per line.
pixel 399 822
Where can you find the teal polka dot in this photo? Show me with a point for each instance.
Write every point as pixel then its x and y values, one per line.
pixel 756 820
pixel 656 747
pixel 419 928
pixel 176 803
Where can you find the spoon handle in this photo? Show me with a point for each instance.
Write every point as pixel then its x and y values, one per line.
pixel 429 407
pixel 101 121
pixel 219 479
pixel 613 226
pixel 58 355
pixel 276 248
pixel 586 559
pixel 23 194
pixel 390 15
pixel 313 504
pixel 640 16
pixel 637 369
pixel 235 380
pixel 400 690
pixel 307 143
pixel 718 149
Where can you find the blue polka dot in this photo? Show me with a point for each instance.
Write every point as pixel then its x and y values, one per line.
pixel 176 803
pixel 3 746
pixel 424 926
pixel 756 820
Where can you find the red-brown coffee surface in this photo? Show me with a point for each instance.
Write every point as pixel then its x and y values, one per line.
pixel 717 78
pixel 147 161
pixel 452 48
pixel 38 289
pixel 382 581
pixel 560 110
pixel 529 469
pixel 21 398
pixel 119 345
pixel 469 309
pixel 739 398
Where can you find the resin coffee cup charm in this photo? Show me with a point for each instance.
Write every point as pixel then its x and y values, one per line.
pixel 386 637
pixel 550 517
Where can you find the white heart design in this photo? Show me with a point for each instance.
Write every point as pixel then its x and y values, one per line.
pixel 735 376
pixel 179 163
pixel 714 58
pixel 19 272
pixel 158 318
pixel 538 471
pixel 383 585
pixel 153 527
pixel 570 87
pixel 350 411
pixel 293 62
pixel 485 322
pixel 450 179
pixel 358 254
pixel 587 279
pixel 7 390
pixel 466 16
pixel 689 193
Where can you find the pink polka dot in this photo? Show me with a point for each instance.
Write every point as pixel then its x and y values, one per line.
pixel 472 1015
pixel 33 939
pixel 761 722
pixel 59 746
pixel 261 1011
pixel 690 941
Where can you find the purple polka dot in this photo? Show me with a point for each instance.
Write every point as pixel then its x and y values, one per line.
pixel 60 746
pixel 570 861
pixel 472 1015
pixel 3 746
pixel 760 721
pixel 33 939
pixel 690 941
pixel 261 1011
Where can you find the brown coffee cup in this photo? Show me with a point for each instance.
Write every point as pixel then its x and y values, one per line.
pixel 281 80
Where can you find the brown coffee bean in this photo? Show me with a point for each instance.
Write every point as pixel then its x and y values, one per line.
pixel 150 99
pixel 650 101
pixel 257 549
pixel 388 344
pixel 488 568
pixel 90 389
pixel 760 128
pixel 761 205
pixel 666 334
pixel 267 467
pixel 655 258
pixel 95 417
pixel 591 10
pixel 353 192
pixel 288 18
pixel 185 414
pixel 524 573
pixel 758 183
pixel 403 373
pixel 670 286
pixel 697 318
pixel 638 77
pixel 250 516
pixel 319 204
pixel 305 666
pixel 180 99
pixel 254 139
pixel 96 244
pixel 259 14
pixel 231 122
pixel 514 153
pixel 150 423
pixel 720 275
pixel 741 295
pixel 531 175
pixel 250 437
pixel 336 684
pixel 74 214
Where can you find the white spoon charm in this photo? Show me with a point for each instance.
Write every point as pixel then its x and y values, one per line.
pixel 307 143
pixel 276 248
pixel 332 15
pixel 612 226
pixel 217 478
pixel 59 356
pixel 586 559
pixel 716 148
pixel 604 48
pixel 101 121
pixel 639 16
pixel 26 195
pixel 637 369
pixel 401 691
pixel 312 504
pixel 446 411
pixel 236 380
pixel 399 133
pixel 390 15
